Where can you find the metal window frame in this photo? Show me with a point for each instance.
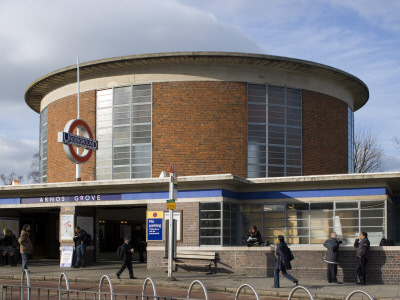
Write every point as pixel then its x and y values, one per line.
pixel 334 209
pixel 130 125
pixel 221 210
pixel 44 123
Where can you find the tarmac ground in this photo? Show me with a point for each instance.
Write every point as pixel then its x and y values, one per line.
pixel 42 271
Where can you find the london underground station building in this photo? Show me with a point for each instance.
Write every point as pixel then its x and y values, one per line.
pixel 255 139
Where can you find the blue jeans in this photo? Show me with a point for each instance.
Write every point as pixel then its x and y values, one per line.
pixel 276 277
pixel 81 255
pixel 24 257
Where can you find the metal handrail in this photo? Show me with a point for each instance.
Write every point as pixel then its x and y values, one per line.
pixel 359 291
pixel 303 288
pixel 109 283
pixel 28 281
pixel 154 288
pixel 202 285
pixel 246 285
pixel 66 284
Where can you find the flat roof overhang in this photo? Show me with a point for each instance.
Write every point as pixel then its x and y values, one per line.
pixel 223 181
pixel 40 87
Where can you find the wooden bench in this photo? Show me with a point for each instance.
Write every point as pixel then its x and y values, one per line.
pixel 205 258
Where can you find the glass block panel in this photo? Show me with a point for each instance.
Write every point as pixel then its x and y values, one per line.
pixel 210 214
pixel 347 205
pixel 209 241
pixel 372 204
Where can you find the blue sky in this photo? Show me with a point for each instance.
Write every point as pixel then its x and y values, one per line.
pixel 38 37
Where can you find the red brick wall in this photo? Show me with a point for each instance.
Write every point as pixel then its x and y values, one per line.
pixel 59 167
pixel 324 134
pixel 200 127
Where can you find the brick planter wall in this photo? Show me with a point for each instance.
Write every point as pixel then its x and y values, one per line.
pixel 383 265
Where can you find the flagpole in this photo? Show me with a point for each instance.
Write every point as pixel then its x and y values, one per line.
pixel 78 166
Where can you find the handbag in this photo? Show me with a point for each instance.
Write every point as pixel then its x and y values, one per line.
pixel 290 255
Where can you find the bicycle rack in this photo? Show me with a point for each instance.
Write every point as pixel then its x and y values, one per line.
pixel 154 288
pixel 202 285
pixel 359 291
pixel 28 282
pixel 246 285
pixel 66 284
pixel 303 288
pixel 109 283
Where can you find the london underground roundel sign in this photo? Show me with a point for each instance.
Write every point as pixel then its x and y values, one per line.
pixel 69 139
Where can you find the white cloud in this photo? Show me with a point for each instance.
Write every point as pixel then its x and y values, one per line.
pixel 382 14
pixel 359 37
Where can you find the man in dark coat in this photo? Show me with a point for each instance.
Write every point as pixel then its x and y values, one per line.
pixel 332 257
pixel 80 240
pixel 127 250
pixel 362 245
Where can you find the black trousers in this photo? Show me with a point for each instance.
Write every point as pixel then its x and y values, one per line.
pixel 126 264
pixel 361 272
pixel 332 272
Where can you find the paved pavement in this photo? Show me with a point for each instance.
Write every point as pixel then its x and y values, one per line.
pixel 49 270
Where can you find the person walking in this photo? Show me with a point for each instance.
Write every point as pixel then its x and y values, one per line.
pixel 282 261
pixel 26 247
pixel 332 257
pixel 8 241
pixel 127 251
pixel 80 240
pixel 362 244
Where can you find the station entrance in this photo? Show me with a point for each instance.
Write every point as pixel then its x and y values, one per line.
pixel 110 223
pixel 44 228
pixel 117 222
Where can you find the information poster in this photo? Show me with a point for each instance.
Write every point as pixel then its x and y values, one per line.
pixel 67 253
pixel 66 227
pixel 154 226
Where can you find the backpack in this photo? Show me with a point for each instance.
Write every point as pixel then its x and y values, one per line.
pixel 88 239
pixel 290 254
pixel 120 252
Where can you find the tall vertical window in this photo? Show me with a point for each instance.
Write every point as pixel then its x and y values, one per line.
pixel 350 134
pixel 43 146
pixel 210 223
pixel 231 224
pixel 104 134
pixel 274 131
pixel 124 132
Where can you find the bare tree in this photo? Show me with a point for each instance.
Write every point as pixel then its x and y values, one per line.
pixel 8 179
pixel 34 174
pixel 368 153
pixel 396 142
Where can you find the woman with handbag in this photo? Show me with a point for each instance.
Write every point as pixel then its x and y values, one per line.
pixel 282 261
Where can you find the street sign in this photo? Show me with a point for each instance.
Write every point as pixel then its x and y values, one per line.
pixel 154 226
pixel 171 204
